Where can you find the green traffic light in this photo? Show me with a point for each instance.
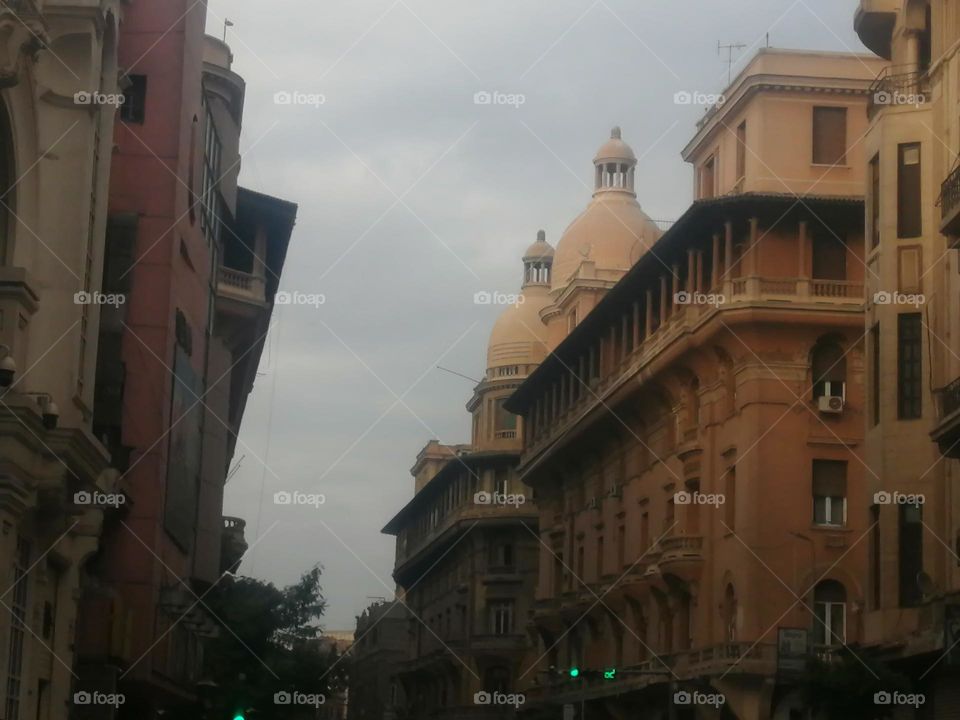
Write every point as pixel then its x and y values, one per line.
pixel 610 674
pixel 239 716
pixel 574 672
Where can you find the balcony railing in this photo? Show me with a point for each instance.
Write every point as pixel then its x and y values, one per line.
pixel 242 285
pixel 950 206
pixel 898 86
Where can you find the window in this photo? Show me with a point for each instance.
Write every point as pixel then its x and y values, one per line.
pixel 728 611
pixel 644 531
pixel 599 564
pixel 829 492
pixel 909 193
pixel 910 554
pixel 830 613
pixel 501 617
pixel 874 200
pixel 621 548
pixel 829 255
pixel 501 483
pixel 670 519
pixel 502 555
pixel 742 151
pixel 18 612
pixel 830 135
pixel 829 370
pixel 909 366
pixel 875 557
pixel 210 182
pixel 730 499
pixel 134 108
pixel 708 178
pixel 875 373
pixel 506 420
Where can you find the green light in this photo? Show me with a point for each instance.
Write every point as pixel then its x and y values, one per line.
pixel 610 674
pixel 239 716
pixel 574 672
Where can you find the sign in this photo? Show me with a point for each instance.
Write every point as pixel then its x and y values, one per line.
pixel 793 649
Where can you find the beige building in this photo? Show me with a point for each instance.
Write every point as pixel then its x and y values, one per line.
pixel 694 441
pixel 58 101
pixel 913 324
pixel 467 543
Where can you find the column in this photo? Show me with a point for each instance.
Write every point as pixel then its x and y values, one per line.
pixel 803 243
pixel 636 324
pixel 715 268
pixel 648 319
pixel 691 270
pixel 728 258
pixel 663 300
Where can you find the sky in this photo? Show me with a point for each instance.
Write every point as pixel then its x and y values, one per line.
pixel 414 194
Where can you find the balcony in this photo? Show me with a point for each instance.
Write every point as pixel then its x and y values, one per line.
pixel 898 87
pixel 947 432
pixel 950 208
pixel 233 544
pixel 682 556
pixel 873 22
pixel 244 287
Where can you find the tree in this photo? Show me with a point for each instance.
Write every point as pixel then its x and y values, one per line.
pixel 269 643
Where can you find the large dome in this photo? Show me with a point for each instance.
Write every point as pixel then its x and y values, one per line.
pixel 613 232
pixel 519 337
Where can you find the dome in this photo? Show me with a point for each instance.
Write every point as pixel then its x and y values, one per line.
pixel 615 149
pixel 519 336
pixel 613 232
pixel 540 250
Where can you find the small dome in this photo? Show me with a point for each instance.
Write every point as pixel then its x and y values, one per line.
pixel 540 250
pixel 613 232
pixel 615 149
pixel 519 337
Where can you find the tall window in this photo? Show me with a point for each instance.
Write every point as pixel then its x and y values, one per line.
pixel 909 366
pixel 830 613
pixel 599 564
pixel 741 151
pixel 501 484
pixel 829 368
pixel 210 199
pixel 875 557
pixel 910 554
pixel 909 193
pixel 708 178
pixel 18 612
pixel 874 200
pixel 506 421
pixel 730 499
pixel 644 531
pixel 875 373
pixel 829 492
pixel 134 108
pixel 830 135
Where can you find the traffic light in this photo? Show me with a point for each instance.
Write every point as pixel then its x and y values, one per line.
pixel 238 715
pixel 574 672
pixel 610 674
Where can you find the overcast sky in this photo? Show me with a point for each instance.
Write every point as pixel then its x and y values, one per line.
pixel 412 197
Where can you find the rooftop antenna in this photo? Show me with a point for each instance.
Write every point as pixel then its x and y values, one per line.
pixel 729 48
pixel 227 23
pixel 454 372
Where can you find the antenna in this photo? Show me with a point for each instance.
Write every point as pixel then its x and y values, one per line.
pixel 227 23
pixel 454 372
pixel 730 47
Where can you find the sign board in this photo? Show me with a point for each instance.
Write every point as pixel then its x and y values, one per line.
pixel 793 649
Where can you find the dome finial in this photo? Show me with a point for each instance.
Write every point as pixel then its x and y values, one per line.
pixel 615 133
pixel 541 235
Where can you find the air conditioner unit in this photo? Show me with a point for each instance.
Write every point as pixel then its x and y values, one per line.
pixel 832 404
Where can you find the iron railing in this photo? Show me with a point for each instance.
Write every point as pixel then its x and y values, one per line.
pixel 950 194
pixel 950 399
pixel 898 86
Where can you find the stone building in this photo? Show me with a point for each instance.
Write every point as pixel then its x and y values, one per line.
pixel 466 552
pixel 695 441
pixel 59 97
pixel 379 646
pixel 913 327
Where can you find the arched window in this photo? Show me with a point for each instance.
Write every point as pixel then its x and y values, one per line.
pixel 830 613
pixel 829 366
